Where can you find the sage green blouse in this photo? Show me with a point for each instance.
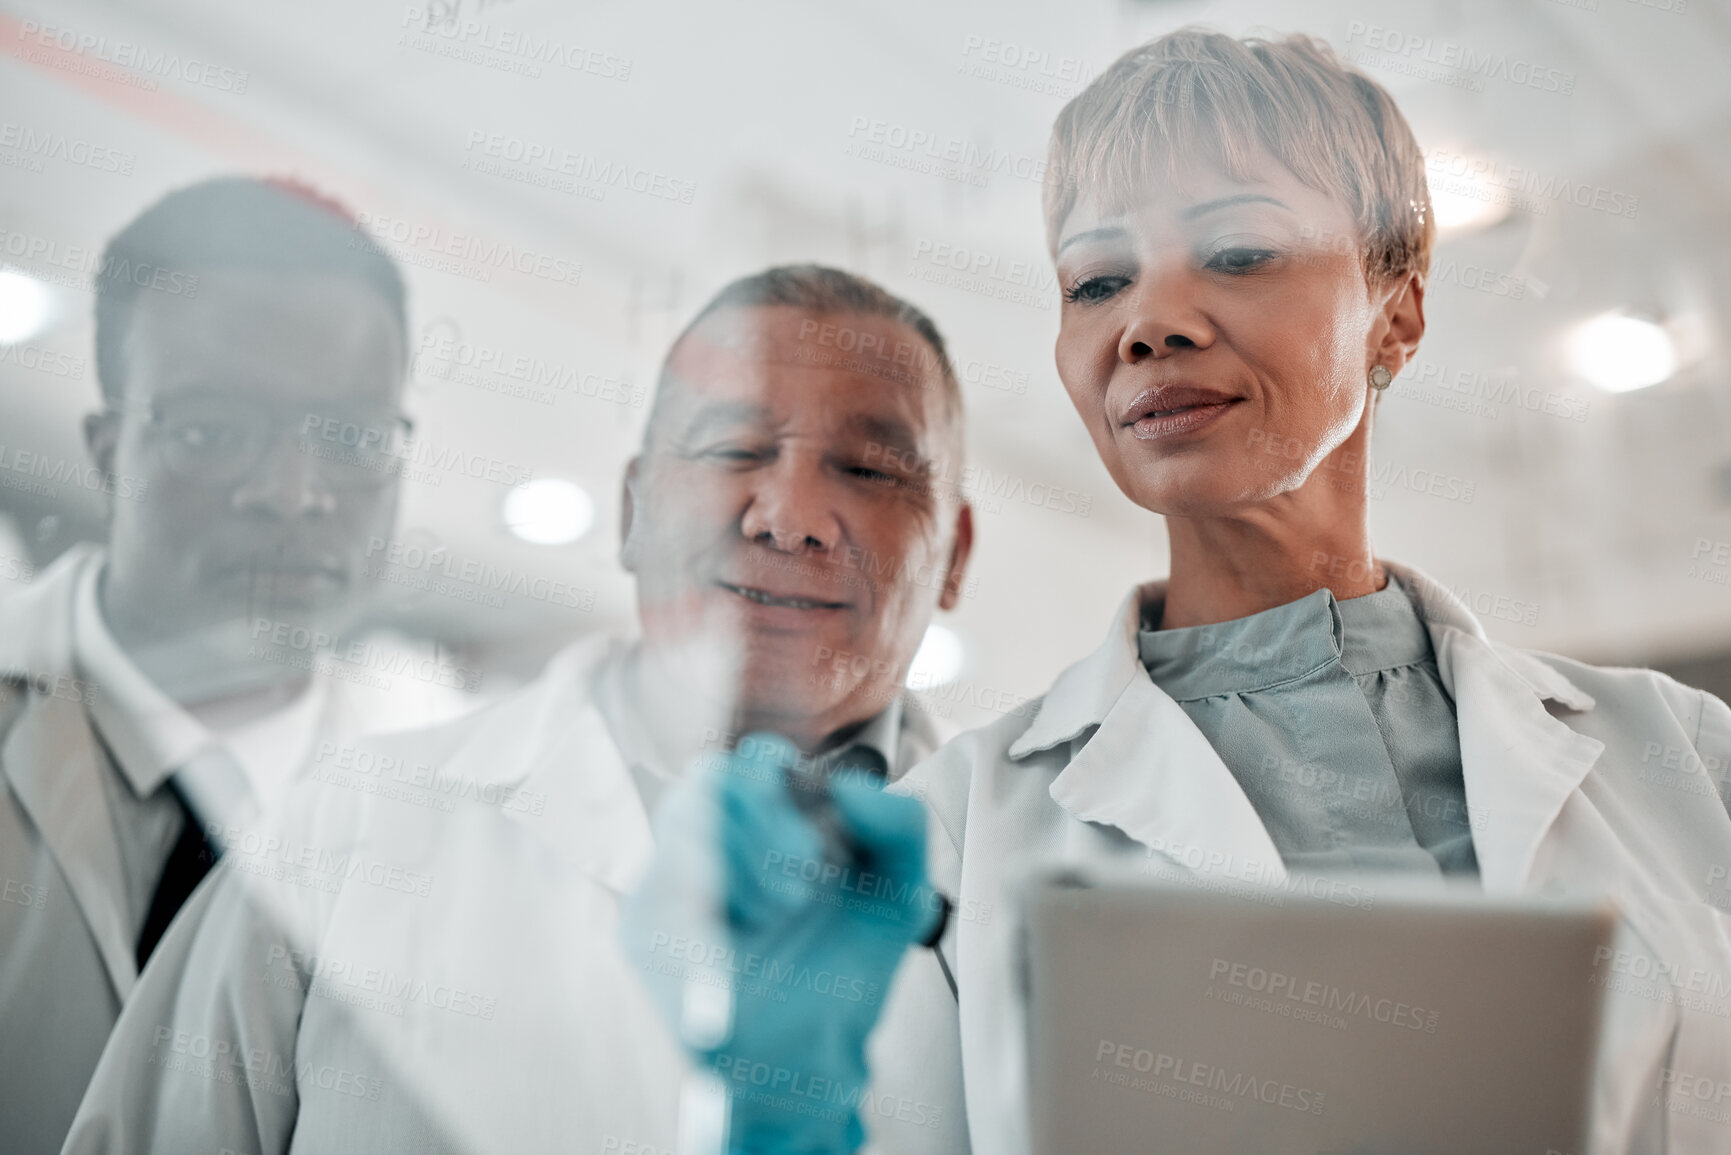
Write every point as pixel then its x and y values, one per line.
pixel 1333 718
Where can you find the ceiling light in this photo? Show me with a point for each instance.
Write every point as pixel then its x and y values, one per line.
pixel 938 660
pixel 550 511
pixel 25 306
pixel 1463 197
pixel 1616 352
pixel 1465 205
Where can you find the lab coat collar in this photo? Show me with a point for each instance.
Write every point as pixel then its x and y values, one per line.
pixel 1151 773
pixel 558 769
pixel 52 760
pixel 1442 611
pixel 1084 693
pixel 1147 769
pixel 555 759
pixel 36 622
pixel 1520 763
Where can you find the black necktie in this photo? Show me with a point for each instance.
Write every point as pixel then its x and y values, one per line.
pixel 857 763
pixel 188 863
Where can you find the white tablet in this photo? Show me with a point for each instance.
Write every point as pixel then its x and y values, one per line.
pixel 1172 1019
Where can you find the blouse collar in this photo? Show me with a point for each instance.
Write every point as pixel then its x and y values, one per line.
pixel 1378 631
pixel 1085 693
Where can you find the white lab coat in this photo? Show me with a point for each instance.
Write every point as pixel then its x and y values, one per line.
pixel 1578 779
pixel 67 940
pixel 66 948
pixel 424 956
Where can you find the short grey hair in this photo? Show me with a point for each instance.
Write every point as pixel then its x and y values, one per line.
pixel 823 290
pixel 1194 92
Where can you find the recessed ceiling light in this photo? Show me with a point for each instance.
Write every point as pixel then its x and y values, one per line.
pixel 550 511
pixel 938 660
pixel 1616 352
pixel 26 305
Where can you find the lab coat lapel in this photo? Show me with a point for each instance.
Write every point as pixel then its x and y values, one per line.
pixel 55 768
pixel 1520 764
pixel 1147 769
pixel 1151 773
pixel 595 817
pixel 53 761
pixel 590 812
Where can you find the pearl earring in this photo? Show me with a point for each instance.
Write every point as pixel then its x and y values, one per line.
pixel 1380 377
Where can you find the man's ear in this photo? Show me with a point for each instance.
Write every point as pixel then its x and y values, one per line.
pixel 1395 337
pixel 630 550
pixel 960 551
pixel 101 436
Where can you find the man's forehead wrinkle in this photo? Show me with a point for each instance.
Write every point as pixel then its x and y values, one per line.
pixel 704 414
pixel 825 414
pixel 741 355
pixel 743 332
pixel 698 364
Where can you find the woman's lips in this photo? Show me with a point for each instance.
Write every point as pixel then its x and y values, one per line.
pixel 1178 420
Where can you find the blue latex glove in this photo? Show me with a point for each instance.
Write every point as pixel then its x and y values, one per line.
pixel 772 941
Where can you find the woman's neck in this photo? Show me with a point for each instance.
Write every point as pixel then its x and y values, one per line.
pixel 1312 538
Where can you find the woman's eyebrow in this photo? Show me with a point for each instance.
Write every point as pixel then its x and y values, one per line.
pixel 1207 207
pixel 1103 233
pixel 1118 232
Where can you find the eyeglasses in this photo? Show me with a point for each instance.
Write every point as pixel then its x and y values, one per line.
pixel 219 442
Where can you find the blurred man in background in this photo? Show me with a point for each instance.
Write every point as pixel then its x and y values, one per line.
pixel 789 548
pixel 157 692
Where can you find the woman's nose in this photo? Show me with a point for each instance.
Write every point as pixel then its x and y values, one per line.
pixel 1164 318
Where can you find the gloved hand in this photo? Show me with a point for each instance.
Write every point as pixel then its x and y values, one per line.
pixel 769 927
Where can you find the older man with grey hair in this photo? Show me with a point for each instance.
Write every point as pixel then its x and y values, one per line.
pixel 387 975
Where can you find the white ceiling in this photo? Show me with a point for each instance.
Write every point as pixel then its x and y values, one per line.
pixel 755 106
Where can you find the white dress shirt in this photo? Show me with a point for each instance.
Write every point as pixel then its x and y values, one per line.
pixel 228 775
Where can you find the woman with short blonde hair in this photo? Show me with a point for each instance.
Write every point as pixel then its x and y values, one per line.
pixel 1241 231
